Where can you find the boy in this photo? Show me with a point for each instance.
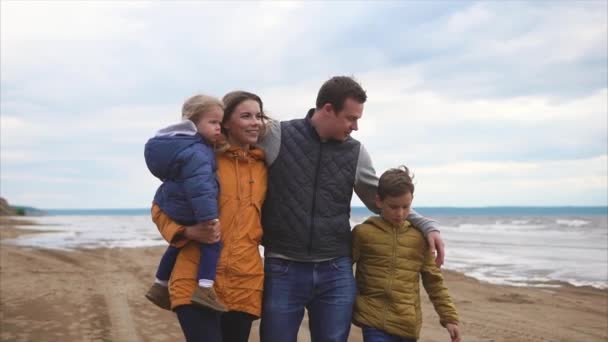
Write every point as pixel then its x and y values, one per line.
pixel 182 156
pixel 391 256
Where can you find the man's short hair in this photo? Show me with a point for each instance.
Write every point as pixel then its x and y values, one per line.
pixel 339 88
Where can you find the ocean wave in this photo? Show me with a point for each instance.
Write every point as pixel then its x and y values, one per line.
pixel 536 252
pixel 572 223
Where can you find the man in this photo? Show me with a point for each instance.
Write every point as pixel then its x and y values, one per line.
pixel 314 165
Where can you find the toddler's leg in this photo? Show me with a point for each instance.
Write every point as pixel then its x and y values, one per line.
pixel 204 294
pixel 207 266
pixel 167 262
pixel 159 292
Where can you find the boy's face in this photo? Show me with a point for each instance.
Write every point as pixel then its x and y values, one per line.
pixel 395 209
pixel 209 124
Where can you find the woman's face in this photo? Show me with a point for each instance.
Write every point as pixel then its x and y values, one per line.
pixel 244 124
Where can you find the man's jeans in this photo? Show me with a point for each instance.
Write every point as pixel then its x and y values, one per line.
pixel 375 335
pixel 326 289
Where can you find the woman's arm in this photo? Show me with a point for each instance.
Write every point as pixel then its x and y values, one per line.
pixel 178 235
pixel 205 232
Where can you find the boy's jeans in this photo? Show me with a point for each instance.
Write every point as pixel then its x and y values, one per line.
pixel 375 335
pixel 326 289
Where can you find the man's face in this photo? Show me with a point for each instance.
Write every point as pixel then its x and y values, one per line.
pixel 345 121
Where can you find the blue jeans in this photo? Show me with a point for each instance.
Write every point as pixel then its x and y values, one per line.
pixel 374 335
pixel 326 289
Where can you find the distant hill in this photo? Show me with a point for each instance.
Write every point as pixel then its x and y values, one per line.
pixel 8 210
pixel 5 209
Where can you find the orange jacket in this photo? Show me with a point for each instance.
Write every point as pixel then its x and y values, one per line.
pixel 240 272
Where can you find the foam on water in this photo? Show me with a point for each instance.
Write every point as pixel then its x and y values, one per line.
pixel 535 252
pixel 73 232
pixel 528 251
pixel 572 223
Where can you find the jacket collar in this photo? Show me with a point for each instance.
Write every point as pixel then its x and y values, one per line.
pixel 308 120
pixel 383 224
pixel 254 152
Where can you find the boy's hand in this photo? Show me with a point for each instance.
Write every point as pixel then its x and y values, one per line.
pixel 204 232
pixel 454 331
pixel 436 245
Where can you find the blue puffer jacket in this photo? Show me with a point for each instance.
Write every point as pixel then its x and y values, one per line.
pixel 185 163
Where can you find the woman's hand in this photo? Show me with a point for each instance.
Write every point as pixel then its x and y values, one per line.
pixel 204 232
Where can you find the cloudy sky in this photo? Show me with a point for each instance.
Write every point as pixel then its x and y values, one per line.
pixel 490 103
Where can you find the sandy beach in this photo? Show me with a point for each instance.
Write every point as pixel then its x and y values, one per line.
pixel 97 295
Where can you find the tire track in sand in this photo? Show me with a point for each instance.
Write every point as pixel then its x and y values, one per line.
pixel 114 282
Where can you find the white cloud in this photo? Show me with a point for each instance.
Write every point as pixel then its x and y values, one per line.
pixel 561 32
pixel 426 106
pixel 498 94
pixel 474 18
pixel 66 20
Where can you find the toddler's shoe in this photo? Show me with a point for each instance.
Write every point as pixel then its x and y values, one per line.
pixel 159 295
pixel 206 296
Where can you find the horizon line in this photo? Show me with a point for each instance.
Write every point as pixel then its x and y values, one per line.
pixel 362 206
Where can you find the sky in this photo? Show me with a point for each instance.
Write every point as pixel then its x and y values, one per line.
pixel 489 103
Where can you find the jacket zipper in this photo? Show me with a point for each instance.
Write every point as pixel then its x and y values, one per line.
pixel 314 199
pixel 235 221
pixel 390 279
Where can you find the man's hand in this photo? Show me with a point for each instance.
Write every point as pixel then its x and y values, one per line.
pixel 204 232
pixel 437 247
pixel 454 331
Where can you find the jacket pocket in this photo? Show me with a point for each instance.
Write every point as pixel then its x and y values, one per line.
pixel 255 231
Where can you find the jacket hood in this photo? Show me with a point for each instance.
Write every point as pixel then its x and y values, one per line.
pixel 380 223
pixel 160 151
pixel 185 127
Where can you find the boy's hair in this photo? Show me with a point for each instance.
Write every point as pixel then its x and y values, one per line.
pixel 395 182
pixel 235 98
pixel 195 106
pixel 337 89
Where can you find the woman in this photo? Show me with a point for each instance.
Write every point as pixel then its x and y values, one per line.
pixel 240 272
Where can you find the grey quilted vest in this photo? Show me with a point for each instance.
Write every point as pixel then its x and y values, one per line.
pixel 306 214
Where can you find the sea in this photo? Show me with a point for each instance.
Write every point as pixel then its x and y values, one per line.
pixel 518 246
